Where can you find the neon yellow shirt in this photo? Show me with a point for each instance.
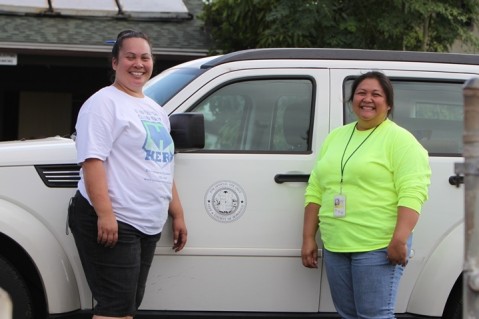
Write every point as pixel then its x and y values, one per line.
pixel 389 169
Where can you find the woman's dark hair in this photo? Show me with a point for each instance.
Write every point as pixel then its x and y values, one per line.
pixel 383 80
pixel 126 34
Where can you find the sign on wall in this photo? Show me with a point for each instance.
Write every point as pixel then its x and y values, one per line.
pixel 8 59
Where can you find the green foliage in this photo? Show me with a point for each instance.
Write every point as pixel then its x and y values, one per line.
pixel 428 25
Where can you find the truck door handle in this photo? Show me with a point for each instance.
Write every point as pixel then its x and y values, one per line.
pixel 456 180
pixel 288 178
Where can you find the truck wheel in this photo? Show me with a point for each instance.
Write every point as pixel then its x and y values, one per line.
pixel 454 304
pixel 13 283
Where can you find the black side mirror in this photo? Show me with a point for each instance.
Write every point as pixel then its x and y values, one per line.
pixel 188 131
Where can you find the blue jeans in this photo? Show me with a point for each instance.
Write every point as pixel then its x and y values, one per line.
pixel 363 285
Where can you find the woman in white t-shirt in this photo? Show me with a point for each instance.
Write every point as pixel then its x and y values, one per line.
pixel 126 191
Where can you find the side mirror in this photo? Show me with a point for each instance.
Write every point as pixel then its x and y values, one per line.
pixel 188 131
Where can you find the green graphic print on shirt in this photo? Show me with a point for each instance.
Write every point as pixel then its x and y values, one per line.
pixel 158 146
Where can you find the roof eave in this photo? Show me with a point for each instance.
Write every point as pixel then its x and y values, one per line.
pixel 79 49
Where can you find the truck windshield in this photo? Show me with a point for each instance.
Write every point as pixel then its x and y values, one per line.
pixel 166 84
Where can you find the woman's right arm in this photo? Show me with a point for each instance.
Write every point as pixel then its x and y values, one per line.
pixel 309 250
pixel 96 186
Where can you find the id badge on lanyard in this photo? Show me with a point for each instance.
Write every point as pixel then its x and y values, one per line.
pixel 340 199
pixel 339 206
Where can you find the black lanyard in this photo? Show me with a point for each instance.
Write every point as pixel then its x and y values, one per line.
pixel 343 165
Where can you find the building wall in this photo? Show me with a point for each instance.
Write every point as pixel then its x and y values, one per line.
pixel 41 95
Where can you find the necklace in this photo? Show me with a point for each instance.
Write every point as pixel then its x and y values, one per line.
pixel 343 163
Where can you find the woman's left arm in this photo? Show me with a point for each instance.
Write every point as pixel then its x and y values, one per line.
pixel 175 210
pixel 412 178
pixel 397 249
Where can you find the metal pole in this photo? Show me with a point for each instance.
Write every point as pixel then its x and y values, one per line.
pixel 471 182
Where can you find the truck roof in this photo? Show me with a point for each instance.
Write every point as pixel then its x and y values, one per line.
pixel 342 54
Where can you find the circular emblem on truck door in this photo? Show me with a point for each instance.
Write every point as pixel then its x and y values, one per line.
pixel 225 201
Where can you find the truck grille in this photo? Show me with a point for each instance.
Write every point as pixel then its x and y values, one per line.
pixel 59 175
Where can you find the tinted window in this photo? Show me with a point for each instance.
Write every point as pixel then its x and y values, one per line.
pixel 171 82
pixel 432 111
pixel 270 115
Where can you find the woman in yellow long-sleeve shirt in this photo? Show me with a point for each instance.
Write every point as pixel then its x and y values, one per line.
pixel 365 195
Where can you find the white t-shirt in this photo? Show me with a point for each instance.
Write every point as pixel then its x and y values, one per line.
pixel 131 136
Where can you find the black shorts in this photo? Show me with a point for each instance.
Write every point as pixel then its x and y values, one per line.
pixel 117 275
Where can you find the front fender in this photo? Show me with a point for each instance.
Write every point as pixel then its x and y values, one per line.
pixel 47 253
pixel 442 269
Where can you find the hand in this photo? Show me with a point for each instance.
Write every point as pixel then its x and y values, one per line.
pixel 107 230
pixel 397 253
pixel 180 234
pixel 309 253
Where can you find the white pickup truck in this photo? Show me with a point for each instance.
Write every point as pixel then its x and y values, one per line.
pixel 266 113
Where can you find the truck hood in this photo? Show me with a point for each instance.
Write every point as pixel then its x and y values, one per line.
pixel 50 150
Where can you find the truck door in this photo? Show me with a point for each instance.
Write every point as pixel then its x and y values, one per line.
pixel 430 105
pixel 243 196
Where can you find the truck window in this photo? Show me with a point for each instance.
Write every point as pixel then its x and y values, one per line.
pixel 163 87
pixel 431 110
pixel 259 115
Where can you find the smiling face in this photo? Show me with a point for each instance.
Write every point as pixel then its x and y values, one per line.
pixel 370 104
pixel 133 66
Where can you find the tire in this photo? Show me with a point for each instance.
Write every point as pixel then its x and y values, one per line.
pixel 13 283
pixel 453 309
